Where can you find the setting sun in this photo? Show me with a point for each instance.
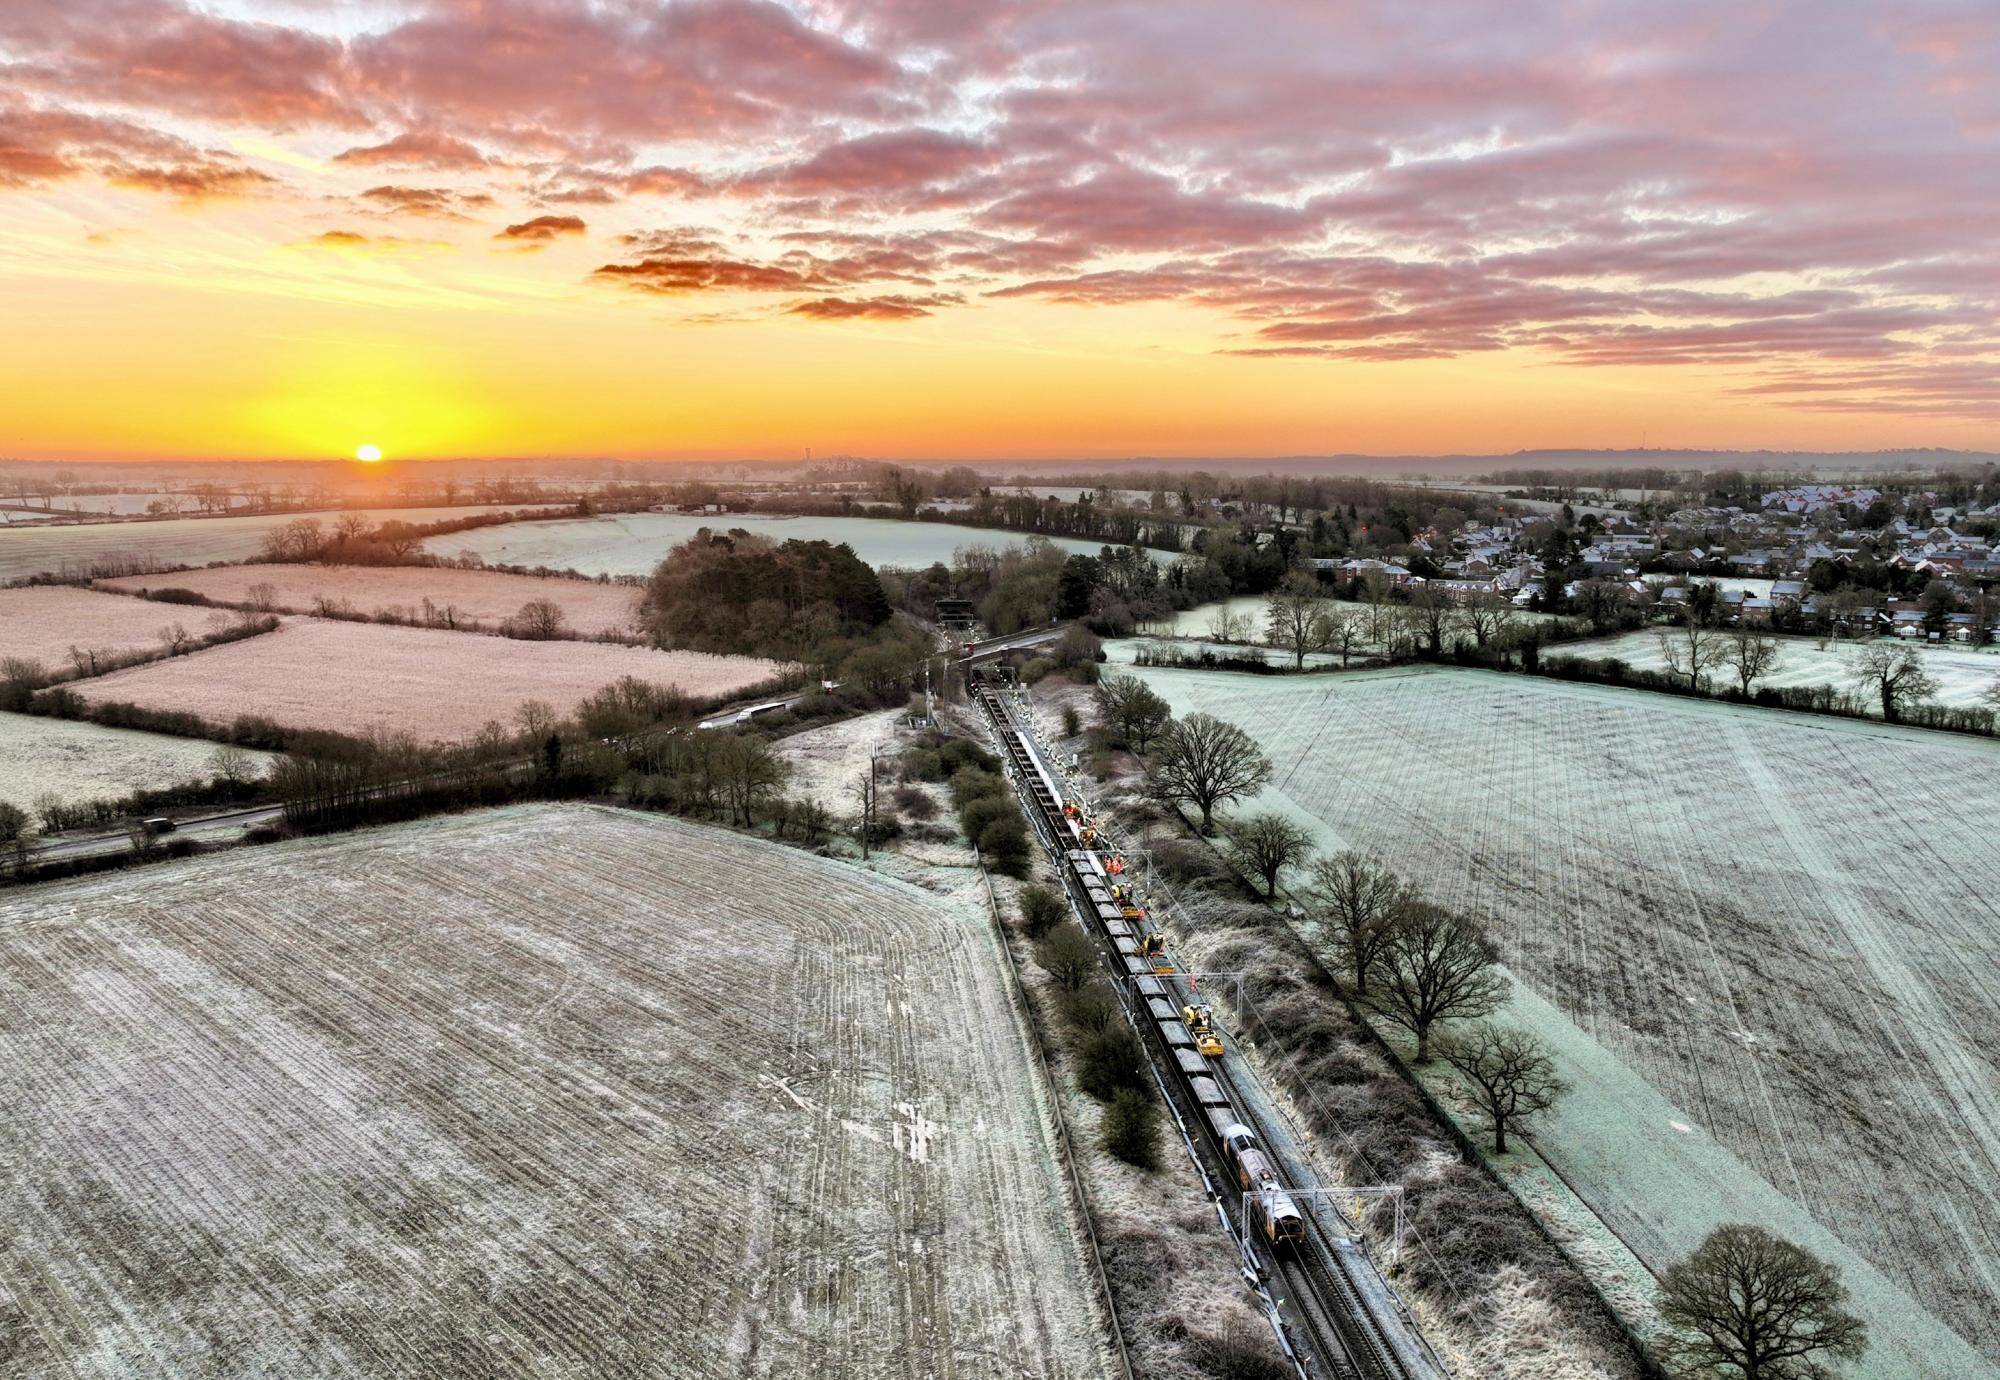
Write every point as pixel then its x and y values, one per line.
pixel 368 454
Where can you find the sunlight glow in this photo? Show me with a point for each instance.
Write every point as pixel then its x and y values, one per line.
pixel 368 455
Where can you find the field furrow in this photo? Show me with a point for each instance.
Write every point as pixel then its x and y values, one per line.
pixel 543 1091
pixel 1787 926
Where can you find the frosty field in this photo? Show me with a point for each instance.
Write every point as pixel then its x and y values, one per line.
pixel 359 677
pixel 80 547
pixel 81 761
pixel 487 597
pixel 42 622
pixel 545 1091
pixel 1787 926
pixel 1963 673
pixel 633 543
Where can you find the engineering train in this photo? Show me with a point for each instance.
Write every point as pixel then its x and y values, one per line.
pixel 1186 1031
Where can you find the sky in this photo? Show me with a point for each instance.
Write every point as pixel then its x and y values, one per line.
pixel 986 230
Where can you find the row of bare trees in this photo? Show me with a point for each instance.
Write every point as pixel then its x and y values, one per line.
pixel 1300 619
pixel 1891 674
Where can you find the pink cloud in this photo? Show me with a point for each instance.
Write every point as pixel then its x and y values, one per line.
pixel 417 148
pixel 891 307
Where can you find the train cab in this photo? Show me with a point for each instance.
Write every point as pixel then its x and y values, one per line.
pixel 1279 1217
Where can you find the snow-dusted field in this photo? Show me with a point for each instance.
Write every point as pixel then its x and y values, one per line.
pixel 1963 673
pixel 359 677
pixel 633 543
pixel 544 1091
pixel 487 597
pixel 81 761
pixel 42 622
pixel 81 548
pixel 1786 928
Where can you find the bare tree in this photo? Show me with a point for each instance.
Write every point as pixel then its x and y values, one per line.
pixel 1357 899
pixel 1752 654
pixel 1690 648
pixel 1433 616
pixel 1991 694
pixel 870 792
pixel 1225 626
pixel 262 596
pixel 1205 762
pixel 538 620
pixel 1295 618
pixel 175 638
pixel 1599 600
pixel 350 527
pixel 1435 966
pixel 1343 631
pixel 1265 845
pixel 1510 1072
pixel 22 674
pixel 535 718
pixel 1895 674
pixel 749 773
pixel 1755 1306
pixel 232 764
pixel 1487 615
pixel 1132 709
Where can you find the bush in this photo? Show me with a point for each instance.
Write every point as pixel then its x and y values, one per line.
pixel 923 764
pixel 969 783
pixel 1109 1059
pixel 1004 843
pixel 1129 1134
pixel 1042 909
pixel 178 596
pixel 1072 722
pixel 1067 957
pixel 1238 1356
pixel 1090 1009
pixel 981 811
pixel 915 802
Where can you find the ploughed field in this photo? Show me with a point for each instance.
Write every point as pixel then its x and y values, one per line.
pixel 365 677
pixel 115 547
pixel 544 1091
pixel 487 598
pixel 43 622
pixel 1788 926
pixel 80 761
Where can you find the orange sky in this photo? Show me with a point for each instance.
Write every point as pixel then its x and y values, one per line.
pixel 217 239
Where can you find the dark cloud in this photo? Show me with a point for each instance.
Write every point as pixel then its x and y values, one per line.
pixel 443 203
pixel 891 307
pixel 542 229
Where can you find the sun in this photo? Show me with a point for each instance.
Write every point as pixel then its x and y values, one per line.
pixel 368 455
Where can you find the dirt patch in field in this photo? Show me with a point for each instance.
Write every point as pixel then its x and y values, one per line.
pixel 363 677
pixel 550 1090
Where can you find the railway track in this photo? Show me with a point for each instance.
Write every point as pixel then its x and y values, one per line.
pixel 1335 1314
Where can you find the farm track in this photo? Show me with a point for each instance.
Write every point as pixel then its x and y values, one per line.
pixel 1788 927
pixel 546 1090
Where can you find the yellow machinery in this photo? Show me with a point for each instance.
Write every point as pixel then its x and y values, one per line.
pixel 1200 1021
pixel 1153 948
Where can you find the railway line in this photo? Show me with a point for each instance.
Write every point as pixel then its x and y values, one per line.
pixel 1334 1312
